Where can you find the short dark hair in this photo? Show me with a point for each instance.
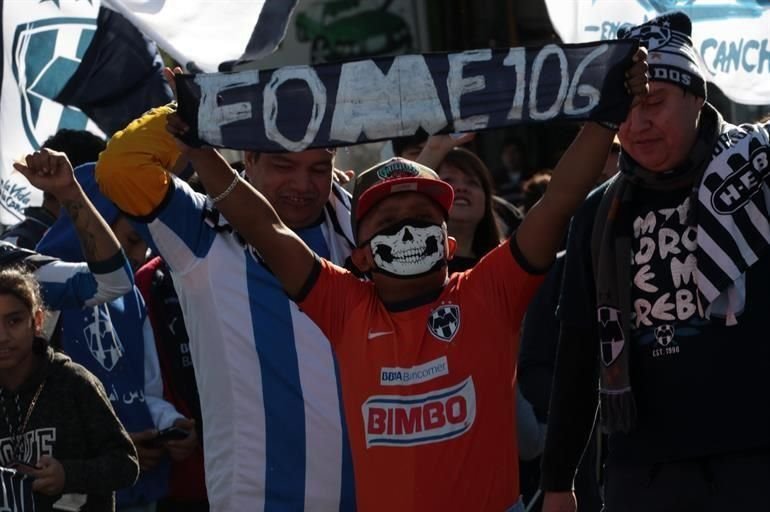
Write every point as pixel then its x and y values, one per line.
pixel 80 146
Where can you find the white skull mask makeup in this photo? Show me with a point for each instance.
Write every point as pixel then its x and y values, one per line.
pixel 408 249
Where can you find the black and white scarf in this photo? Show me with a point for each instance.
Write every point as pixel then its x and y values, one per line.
pixel 728 167
pixel 733 208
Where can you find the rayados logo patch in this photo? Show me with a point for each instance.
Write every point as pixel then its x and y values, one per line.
pixel 102 340
pixel 46 53
pixel 411 420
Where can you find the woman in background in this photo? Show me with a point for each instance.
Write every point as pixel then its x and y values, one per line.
pixel 472 220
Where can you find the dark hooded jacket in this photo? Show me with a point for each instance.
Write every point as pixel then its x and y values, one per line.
pixel 73 422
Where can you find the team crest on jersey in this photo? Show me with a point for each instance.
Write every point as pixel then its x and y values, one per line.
pixel 610 334
pixel 103 341
pixel 444 322
pixel 46 54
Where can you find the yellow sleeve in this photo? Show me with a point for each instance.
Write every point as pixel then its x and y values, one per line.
pixel 132 170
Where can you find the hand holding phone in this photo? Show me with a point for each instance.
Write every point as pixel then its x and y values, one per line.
pixel 179 450
pixel 171 434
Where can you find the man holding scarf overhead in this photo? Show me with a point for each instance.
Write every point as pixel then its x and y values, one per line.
pixel 273 433
pixel 678 329
pixel 427 360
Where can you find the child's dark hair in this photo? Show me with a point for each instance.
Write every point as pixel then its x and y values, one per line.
pixel 20 283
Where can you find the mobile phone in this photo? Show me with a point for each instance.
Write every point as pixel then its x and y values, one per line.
pixel 171 434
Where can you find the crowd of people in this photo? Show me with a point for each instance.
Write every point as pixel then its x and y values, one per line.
pixel 179 335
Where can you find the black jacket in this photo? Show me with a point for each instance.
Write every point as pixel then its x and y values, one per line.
pixel 709 398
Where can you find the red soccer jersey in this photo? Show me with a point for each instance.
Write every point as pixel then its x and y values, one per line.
pixel 428 392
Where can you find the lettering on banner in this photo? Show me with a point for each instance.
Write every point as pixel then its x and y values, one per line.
pixel 731 37
pixel 15 197
pixel 297 107
pixel 411 420
pixel 721 55
pixel 728 56
pixel 270 106
pixel 370 101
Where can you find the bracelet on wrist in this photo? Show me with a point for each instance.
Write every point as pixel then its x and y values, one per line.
pixel 228 190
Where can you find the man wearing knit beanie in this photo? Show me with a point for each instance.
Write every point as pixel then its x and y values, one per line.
pixel 679 329
pixel 671 55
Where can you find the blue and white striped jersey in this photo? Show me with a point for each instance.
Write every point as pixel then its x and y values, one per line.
pixel 73 285
pixel 274 435
pixel 77 285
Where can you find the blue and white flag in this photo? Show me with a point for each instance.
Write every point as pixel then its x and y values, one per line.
pixel 67 64
pixel 83 64
pixel 732 37
pixel 203 35
pixel 43 44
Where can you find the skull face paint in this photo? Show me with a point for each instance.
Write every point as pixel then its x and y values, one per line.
pixel 408 249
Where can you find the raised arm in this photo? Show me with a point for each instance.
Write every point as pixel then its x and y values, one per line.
pixel 542 231
pixel 249 212
pixel 50 171
pixel 437 146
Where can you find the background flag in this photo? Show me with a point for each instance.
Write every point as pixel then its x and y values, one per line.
pixel 202 34
pixel 85 65
pixel 732 37
pixel 67 64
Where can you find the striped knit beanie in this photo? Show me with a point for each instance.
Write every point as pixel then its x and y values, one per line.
pixel 671 55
